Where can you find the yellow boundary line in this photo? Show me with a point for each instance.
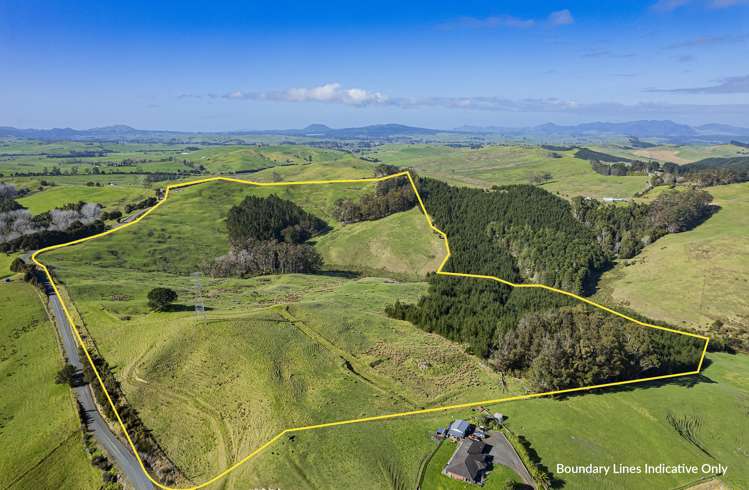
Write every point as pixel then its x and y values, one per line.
pixel 364 419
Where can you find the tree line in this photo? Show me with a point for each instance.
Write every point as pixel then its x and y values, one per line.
pixel 577 346
pixel 19 230
pixel 390 196
pixel 703 173
pixel 623 231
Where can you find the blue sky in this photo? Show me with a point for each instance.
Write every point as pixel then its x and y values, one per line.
pixel 256 65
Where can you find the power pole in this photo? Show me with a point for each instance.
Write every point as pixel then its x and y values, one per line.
pixel 200 316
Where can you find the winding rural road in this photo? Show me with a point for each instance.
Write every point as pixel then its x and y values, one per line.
pixel 116 449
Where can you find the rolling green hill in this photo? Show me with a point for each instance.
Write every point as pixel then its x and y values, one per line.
pixel 315 347
pixel 299 349
pixel 628 426
pixel 697 277
pixel 382 246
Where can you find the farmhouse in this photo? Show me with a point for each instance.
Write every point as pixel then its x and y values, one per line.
pixel 470 462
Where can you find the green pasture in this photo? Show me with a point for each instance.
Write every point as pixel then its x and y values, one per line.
pixel 39 428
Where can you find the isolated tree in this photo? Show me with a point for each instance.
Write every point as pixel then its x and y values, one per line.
pixel 160 298
pixel 67 375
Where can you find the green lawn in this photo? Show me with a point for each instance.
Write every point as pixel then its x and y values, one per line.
pixel 696 277
pixel 435 480
pixel 110 197
pixel 509 164
pixel 39 427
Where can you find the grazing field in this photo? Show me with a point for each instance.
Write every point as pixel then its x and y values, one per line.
pixel 93 161
pixel 110 197
pixel 292 350
pixel 188 229
pixel 39 427
pixel 679 154
pixel 277 351
pixel 628 426
pixel 252 158
pixel 381 246
pixel 340 169
pixel 5 261
pixel 697 277
pixel 510 164
pixel 33 182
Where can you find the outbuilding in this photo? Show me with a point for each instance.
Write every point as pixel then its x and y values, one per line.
pixel 459 429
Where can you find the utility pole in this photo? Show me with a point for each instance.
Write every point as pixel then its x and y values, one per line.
pixel 200 316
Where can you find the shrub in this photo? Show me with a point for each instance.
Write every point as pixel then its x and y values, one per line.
pixel 160 298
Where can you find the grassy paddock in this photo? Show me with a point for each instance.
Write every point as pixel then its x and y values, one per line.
pixel 628 426
pixel 696 277
pixel 39 427
pixel 401 244
pixel 5 261
pixel 296 349
pixel 110 197
pixel 510 164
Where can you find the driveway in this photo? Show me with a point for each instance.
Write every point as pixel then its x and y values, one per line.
pixel 503 453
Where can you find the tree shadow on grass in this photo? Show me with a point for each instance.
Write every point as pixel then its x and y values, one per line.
pixel 181 308
pixel 687 381
pixel 340 273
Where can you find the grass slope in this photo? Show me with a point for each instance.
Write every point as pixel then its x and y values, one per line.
pixel 5 261
pixel 269 357
pixel 627 426
pixel 189 228
pixel 39 428
pixel 401 244
pixel 278 351
pixel 696 277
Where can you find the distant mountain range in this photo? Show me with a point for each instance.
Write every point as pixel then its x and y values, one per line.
pixel 659 131
pixel 662 130
pixel 121 132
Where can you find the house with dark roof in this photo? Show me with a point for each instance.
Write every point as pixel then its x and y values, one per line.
pixel 470 462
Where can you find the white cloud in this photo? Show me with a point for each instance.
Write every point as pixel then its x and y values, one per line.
pixel 728 85
pixel 667 5
pixel 329 92
pixel 664 6
pixel 335 93
pixel 491 22
pixel 561 18
pixel 556 18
